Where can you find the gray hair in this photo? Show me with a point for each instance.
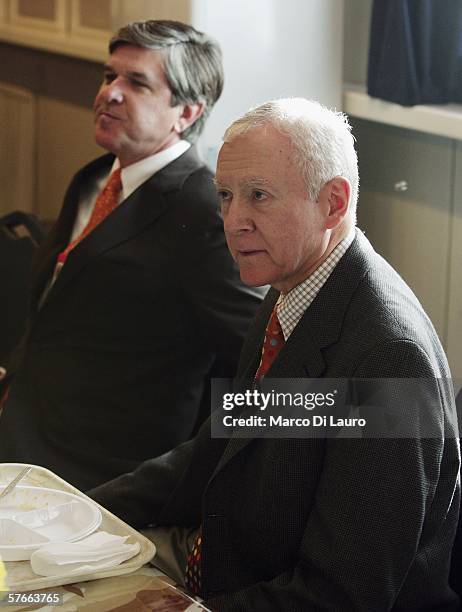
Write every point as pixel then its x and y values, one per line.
pixel 192 63
pixel 324 145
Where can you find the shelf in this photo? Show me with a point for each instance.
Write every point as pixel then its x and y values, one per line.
pixel 442 120
pixel 88 49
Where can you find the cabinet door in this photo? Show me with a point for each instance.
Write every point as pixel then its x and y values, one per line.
pixel 455 284
pixel 18 149
pixel 60 122
pixel 405 208
pixel 90 19
pixel 40 14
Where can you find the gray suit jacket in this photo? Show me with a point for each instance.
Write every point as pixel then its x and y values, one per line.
pixel 321 524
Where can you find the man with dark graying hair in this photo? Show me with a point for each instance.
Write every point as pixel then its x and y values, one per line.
pixel 136 301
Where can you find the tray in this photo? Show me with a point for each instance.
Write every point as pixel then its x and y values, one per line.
pixel 20 576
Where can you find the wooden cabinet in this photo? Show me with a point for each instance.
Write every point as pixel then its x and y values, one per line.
pixel 48 15
pixel 18 152
pixel 90 18
pixel 410 207
pixel 81 28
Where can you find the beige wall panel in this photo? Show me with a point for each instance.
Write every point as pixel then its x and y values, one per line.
pixel 414 239
pixel 39 9
pixel 95 14
pixel 455 285
pixel 65 143
pixel 3 10
pixel 179 10
pixel 17 150
pixel 37 16
pixel 405 208
pixel 356 40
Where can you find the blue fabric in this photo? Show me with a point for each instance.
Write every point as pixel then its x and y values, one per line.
pixel 415 53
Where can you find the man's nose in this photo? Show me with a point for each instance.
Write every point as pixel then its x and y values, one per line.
pixel 236 218
pixel 113 92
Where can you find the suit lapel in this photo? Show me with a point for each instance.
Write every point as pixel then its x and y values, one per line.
pixel 320 327
pixel 140 209
pixel 129 218
pixel 301 357
pixel 59 235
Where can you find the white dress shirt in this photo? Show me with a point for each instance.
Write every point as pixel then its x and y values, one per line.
pixel 132 177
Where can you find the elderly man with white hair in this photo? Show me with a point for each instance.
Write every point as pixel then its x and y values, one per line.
pixel 320 523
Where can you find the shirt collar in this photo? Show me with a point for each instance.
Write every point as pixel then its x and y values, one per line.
pixel 136 174
pixel 291 306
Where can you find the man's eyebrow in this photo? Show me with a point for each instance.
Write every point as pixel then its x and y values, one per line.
pixel 138 75
pixel 133 75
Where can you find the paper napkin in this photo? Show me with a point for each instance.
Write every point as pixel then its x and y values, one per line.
pixel 98 551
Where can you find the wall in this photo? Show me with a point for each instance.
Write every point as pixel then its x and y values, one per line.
pixel 356 40
pixel 272 48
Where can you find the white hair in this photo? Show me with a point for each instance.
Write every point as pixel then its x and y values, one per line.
pixel 324 145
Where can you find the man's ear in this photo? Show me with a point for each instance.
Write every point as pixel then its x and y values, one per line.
pixel 337 194
pixel 190 113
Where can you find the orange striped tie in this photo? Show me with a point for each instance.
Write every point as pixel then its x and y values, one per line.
pixel 104 205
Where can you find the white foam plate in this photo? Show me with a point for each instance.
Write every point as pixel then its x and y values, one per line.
pixel 31 516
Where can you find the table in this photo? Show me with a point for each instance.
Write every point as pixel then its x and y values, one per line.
pixel 144 590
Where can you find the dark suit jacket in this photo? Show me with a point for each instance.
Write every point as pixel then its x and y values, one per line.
pixel 118 358
pixel 320 524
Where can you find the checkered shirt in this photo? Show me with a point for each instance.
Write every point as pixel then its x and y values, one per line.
pixel 291 306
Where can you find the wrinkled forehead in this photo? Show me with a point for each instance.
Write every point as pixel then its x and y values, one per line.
pixel 257 146
pixel 258 158
pixel 133 58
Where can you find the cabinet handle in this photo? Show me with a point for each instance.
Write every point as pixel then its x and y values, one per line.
pixel 400 186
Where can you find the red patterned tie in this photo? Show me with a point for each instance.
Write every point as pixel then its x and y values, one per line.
pixel 104 205
pixel 273 343
pixel 192 577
